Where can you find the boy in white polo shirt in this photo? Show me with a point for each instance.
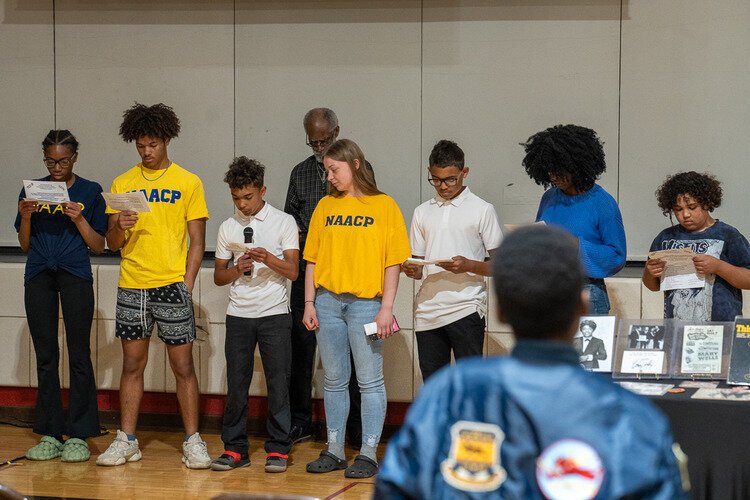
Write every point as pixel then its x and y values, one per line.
pixel 258 312
pixel 463 230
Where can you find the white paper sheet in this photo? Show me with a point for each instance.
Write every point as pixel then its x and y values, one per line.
pixel 701 348
pixel 680 270
pixel 46 192
pixel 729 394
pixel 646 388
pixel 642 362
pixel 423 262
pixel 238 247
pixel 135 201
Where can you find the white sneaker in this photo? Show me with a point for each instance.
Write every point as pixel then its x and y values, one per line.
pixel 120 451
pixel 195 453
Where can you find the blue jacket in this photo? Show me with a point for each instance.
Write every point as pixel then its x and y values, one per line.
pixel 530 425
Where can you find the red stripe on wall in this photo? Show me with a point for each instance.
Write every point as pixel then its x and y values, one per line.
pixel 164 402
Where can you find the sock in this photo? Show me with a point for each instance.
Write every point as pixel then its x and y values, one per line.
pixel 369 452
pixel 131 437
pixel 337 449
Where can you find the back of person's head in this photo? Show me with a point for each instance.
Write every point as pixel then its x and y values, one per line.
pixel 244 171
pixel 349 152
pixel 703 188
pixel 446 154
pixel 157 121
pixel 567 151
pixel 538 282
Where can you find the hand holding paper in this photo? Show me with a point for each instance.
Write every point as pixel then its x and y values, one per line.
pixel 423 262
pixel 412 269
pixel 46 192
pixel 134 201
pixel 678 271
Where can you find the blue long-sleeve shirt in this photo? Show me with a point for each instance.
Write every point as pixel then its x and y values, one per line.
pixel 594 218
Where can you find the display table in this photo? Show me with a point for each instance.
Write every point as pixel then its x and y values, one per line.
pixel 715 435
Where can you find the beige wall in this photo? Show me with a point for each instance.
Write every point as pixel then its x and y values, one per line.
pixel 663 83
pixel 403 379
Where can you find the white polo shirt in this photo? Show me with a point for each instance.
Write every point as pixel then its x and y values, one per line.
pixel 440 229
pixel 264 292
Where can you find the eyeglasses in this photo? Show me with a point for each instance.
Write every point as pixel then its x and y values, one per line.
pixel 64 162
pixel 319 144
pixel 448 181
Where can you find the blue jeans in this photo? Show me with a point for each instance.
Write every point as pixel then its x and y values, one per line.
pixel 598 298
pixel 342 318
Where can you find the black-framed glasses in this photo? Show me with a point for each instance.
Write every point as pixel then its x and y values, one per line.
pixel 64 162
pixel 448 181
pixel 319 144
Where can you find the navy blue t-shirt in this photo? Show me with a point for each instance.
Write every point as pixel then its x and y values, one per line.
pixel 55 242
pixel 717 300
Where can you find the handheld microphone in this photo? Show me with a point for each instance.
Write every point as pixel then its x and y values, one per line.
pixel 248 232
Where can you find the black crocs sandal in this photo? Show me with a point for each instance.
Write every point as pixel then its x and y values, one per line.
pixel 361 468
pixel 326 462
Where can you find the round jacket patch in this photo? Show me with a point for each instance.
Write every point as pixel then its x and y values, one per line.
pixel 474 460
pixel 569 469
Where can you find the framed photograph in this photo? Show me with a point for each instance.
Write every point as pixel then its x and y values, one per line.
pixel 594 342
pixel 642 349
pixel 738 372
pixel 701 349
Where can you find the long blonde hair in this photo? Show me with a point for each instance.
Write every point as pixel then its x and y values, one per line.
pixel 363 179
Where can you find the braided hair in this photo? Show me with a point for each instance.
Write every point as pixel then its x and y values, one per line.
pixel 60 138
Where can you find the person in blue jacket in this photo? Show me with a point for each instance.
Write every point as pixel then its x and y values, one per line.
pixel 569 159
pixel 534 424
pixel 57 239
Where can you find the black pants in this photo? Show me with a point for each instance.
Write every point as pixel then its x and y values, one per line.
pixel 303 356
pixel 465 336
pixel 76 295
pixel 271 335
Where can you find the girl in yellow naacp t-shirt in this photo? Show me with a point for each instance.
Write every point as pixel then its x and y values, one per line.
pixel 355 246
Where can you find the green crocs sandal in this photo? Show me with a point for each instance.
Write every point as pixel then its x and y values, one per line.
pixel 47 449
pixel 75 450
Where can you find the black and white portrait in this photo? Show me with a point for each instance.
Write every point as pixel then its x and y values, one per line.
pixel 593 342
pixel 646 337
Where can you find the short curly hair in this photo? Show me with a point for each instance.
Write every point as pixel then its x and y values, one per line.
pixel 140 120
pixel 446 154
pixel 565 150
pixel 587 322
pixel 704 188
pixel 244 171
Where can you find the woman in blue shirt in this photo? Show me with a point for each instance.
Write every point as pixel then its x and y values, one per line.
pixel 569 159
pixel 57 238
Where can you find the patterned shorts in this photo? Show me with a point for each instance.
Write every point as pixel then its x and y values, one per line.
pixel 170 306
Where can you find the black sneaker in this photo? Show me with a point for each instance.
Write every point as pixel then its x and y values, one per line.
pixel 299 434
pixel 228 462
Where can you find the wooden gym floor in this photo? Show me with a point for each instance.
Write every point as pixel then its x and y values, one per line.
pixel 161 474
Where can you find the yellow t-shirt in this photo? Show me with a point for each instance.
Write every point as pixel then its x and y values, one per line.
pixel 352 241
pixel 155 249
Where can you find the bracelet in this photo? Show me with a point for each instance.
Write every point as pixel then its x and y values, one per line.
pixel 309 301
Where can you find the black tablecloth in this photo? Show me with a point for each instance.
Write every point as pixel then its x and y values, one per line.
pixel 715 435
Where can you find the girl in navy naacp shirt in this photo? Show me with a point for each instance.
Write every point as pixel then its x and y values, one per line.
pixel 57 239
